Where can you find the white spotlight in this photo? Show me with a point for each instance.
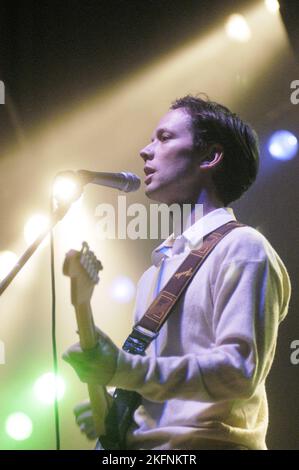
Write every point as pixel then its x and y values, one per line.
pixel 272 6
pixel 65 188
pixel 122 289
pixel 18 426
pixel 47 387
pixel 7 260
pixel 35 226
pixel 237 28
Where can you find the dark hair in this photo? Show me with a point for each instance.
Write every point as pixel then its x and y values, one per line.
pixel 213 123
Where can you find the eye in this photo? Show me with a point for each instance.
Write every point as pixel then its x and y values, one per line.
pixel 164 136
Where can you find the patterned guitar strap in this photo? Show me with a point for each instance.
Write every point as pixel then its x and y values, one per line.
pixel 125 402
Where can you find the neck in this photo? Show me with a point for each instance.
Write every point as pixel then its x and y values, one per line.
pixel 201 206
pixel 209 202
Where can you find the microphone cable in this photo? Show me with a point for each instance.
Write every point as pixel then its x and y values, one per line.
pixel 54 342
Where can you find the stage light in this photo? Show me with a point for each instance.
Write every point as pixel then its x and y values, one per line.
pixel 7 261
pixel 37 224
pixel 237 28
pixel 18 426
pixel 74 228
pixel 122 289
pixel 66 188
pixel 283 145
pixel 272 6
pixel 47 386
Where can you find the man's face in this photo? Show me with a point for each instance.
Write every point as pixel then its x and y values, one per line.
pixel 171 165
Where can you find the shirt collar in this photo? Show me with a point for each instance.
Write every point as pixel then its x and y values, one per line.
pixel 194 234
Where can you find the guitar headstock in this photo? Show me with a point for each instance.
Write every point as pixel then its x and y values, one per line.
pixel 83 268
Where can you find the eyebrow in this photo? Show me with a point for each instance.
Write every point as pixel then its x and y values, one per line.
pixel 160 131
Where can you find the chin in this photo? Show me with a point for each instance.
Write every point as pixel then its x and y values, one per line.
pixel 162 193
pixel 159 196
pixel 152 194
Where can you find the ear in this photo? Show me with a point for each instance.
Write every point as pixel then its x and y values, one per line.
pixel 213 158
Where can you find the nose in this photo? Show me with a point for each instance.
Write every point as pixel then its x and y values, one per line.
pixel 147 152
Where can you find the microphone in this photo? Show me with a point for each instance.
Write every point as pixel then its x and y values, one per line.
pixel 123 181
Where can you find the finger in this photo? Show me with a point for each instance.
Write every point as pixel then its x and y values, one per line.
pixel 91 435
pixel 76 355
pixel 79 357
pixel 89 431
pixel 85 418
pixel 81 407
pixel 82 427
pixel 65 357
pixel 72 352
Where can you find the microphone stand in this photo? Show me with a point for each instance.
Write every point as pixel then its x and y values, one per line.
pixel 58 211
pixel 56 216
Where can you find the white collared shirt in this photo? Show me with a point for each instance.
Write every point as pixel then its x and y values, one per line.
pixel 193 235
pixel 205 380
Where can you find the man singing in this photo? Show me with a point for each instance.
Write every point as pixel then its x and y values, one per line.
pixel 202 381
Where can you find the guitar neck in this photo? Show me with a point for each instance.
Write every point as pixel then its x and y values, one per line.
pixel 98 395
pixel 86 327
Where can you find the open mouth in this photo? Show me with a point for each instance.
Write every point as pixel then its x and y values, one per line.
pixel 148 174
pixel 148 179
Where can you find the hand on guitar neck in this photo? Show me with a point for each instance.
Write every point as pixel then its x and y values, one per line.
pixel 96 365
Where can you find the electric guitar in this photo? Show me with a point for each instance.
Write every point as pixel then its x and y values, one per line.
pixel 112 417
pixel 82 268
